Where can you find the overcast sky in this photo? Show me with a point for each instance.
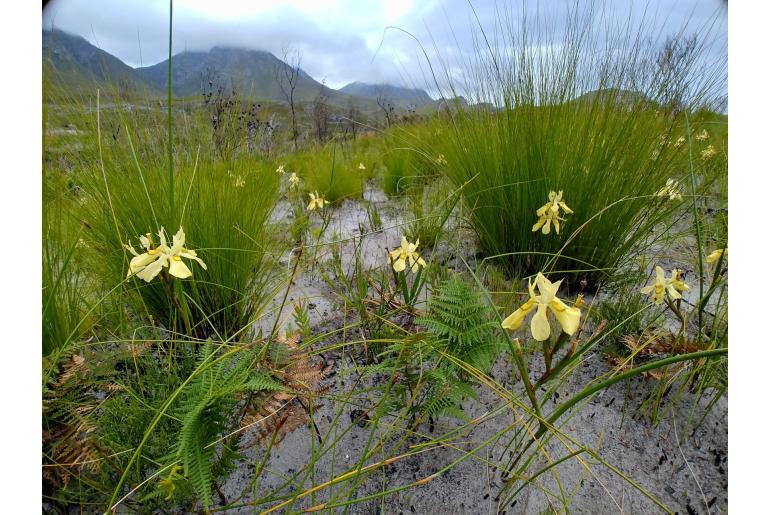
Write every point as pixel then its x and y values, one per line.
pixel 339 40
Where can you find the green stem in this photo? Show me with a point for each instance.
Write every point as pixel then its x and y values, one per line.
pixel 170 134
pixel 620 377
pixel 697 223
pixel 518 357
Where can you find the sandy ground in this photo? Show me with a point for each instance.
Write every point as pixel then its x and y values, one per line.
pixel 687 478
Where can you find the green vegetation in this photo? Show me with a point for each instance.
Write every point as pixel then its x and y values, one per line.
pixel 170 364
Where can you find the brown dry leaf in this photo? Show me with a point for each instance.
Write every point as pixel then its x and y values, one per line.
pixel 283 412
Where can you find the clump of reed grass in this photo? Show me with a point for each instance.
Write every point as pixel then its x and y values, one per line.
pixel 558 111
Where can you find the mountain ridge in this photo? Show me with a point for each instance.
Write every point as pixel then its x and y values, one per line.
pixel 250 72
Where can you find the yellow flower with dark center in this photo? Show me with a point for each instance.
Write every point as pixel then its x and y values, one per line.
pixel 662 286
pixel 549 213
pixel 568 317
pixel 406 252
pixel 677 282
pixel 316 202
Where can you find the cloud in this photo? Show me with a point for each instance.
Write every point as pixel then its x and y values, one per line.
pixel 340 41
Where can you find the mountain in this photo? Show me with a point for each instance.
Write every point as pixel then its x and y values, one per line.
pixel 76 63
pixel 251 72
pixel 402 97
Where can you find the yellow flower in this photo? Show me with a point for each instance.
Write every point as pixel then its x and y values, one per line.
pixel 280 170
pixel 568 317
pixel 708 152
pixel 671 189
pixel 361 166
pixel 293 180
pixel 702 135
pixel 240 182
pixel 679 141
pixel 662 285
pixel 677 282
pixel 140 261
pixel 441 160
pixel 714 256
pixel 148 265
pixel 550 213
pixel 316 201
pixel 407 251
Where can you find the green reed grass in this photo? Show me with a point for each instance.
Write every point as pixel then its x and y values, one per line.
pixel 562 113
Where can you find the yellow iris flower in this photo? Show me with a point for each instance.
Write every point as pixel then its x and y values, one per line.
pixel 568 317
pixel 316 202
pixel 662 285
pixel 293 180
pixel 407 251
pixel 677 282
pixel 148 265
pixel 549 213
pixel 714 256
pixel 361 166
pixel 280 170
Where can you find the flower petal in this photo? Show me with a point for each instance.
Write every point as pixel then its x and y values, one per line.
pixel 153 269
pixel 178 241
pixel 541 329
pixel 178 268
pixel 190 254
pixel 400 264
pixel 139 262
pixel 569 318
pixel 515 319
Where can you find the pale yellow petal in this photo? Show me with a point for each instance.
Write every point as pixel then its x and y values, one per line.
pixel 569 318
pixel 139 262
pixel 130 249
pixel 178 241
pixel 178 268
pixel 149 272
pixel 190 254
pixel 541 329
pixel 515 319
pixel 400 264
pixel 714 256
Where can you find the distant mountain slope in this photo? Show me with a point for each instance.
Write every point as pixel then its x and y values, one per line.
pixel 250 72
pixel 77 63
pixel 398 95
